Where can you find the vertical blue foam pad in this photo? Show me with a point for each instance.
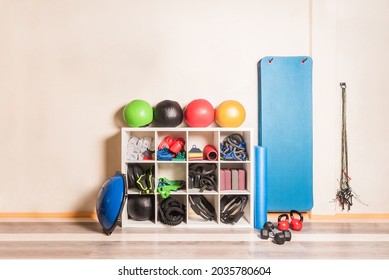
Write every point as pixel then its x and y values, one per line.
pixel 285 129
pixel 260 204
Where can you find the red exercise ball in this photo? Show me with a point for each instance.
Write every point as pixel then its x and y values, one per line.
pixel 199 113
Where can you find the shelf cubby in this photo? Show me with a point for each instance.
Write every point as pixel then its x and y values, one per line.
pixel 180 170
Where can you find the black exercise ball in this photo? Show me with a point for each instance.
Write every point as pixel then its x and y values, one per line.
pixel 168 113
pixel 140 207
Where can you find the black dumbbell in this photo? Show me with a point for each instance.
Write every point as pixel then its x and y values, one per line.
pixel 279 237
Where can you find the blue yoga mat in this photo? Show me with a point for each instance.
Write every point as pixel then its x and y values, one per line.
pixel 285 129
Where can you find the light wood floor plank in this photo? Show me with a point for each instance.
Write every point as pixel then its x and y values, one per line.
pixel 81 239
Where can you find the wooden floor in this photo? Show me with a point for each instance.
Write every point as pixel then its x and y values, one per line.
pixel 83 239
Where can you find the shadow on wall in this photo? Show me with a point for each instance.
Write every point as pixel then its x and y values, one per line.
pixel 112 164
pixel 113 146
pixel 112 155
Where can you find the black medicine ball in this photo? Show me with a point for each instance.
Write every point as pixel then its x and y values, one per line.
pixel 168 113
pixel 140 207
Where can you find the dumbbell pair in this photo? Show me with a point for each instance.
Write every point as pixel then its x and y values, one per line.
pixel 279 237
pixel 294 224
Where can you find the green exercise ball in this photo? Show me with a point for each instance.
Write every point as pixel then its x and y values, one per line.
pixel 138 113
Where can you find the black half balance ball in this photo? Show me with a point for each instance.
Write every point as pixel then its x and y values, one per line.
pixel 140 207
pixel 168 113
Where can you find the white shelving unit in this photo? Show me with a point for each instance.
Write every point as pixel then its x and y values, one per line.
pixel 178 170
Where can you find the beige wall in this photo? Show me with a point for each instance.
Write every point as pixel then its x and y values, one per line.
pixel 67 68
pixel 349 44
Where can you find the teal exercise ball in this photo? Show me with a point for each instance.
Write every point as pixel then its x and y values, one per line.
pixel 138 113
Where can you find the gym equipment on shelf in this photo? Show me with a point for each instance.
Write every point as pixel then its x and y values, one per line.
pixel 140 207
pixel 202 176
pixel 232 208
pixel 171 148
pixel 202 207
pixel 171 211
pixel 141 179
pixel 195 153
pixel 140 148
pixel 210 152
pixel 168 113
pixel 134 171
pixel 165 186
pixel 230 113
pixel 233 147
pixel 199 113
pixel 138 113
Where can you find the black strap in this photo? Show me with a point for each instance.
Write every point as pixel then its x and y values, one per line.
pixel 145 182
pixel 202 176
pixel 134 171
pixel 202 207
pixel 232 208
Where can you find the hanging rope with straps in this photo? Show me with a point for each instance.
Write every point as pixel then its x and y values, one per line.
pixel 344 195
